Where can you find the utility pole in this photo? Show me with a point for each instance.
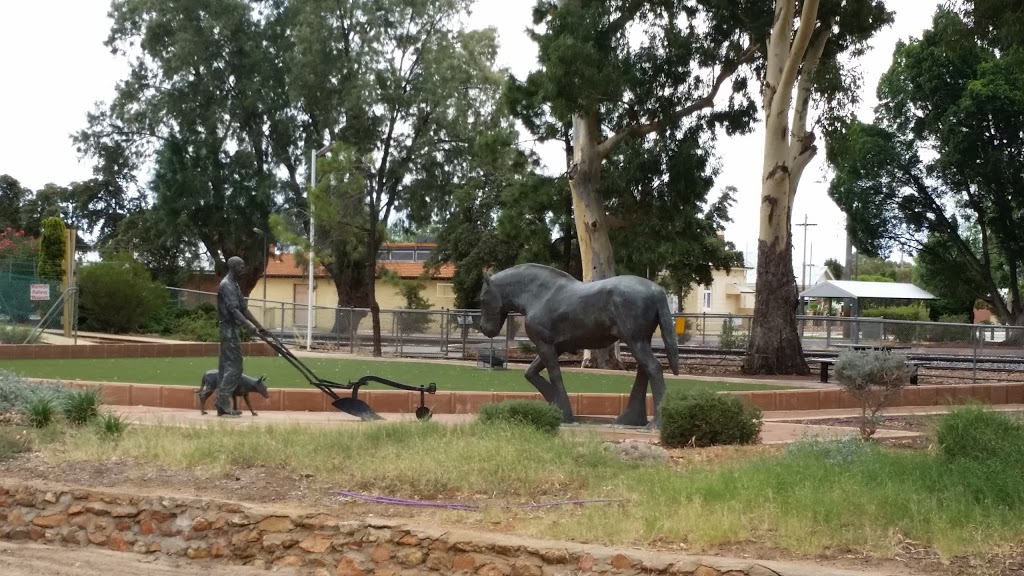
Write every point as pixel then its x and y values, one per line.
pixel 803 266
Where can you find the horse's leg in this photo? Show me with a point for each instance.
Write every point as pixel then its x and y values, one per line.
pixel 647 362
pixel 547 355
pixel 543 386
pixel 635 412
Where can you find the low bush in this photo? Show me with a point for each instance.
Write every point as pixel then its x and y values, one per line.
pixel 111 425
pixel 41 411
pixel 984 452
pixel 11 444
pixel 704 418
pixel 534 413
pixel 872 377
pixel 17 393
pixel 14 334
pixel 118 296
pixel 82 406
pixel 976 434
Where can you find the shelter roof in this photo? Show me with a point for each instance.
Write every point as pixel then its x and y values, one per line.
pixel 861 289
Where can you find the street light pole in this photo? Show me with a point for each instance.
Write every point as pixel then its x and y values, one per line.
pixel 264 234
pixel 309 297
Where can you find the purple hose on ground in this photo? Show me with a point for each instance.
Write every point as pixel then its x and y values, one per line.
pixel 456 505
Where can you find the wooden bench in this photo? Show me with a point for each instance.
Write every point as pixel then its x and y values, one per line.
pixel 826 362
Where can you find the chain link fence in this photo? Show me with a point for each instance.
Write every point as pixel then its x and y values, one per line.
pixel 455 334
pixel 30 305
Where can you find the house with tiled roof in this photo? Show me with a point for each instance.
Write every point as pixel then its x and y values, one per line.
pixel 285 285
pixel 286 281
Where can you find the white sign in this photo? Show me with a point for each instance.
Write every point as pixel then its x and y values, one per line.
pixel 39 292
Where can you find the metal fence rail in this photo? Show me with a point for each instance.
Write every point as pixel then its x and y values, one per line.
pixel 453 333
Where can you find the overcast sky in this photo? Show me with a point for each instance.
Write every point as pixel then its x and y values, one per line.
pixel 55 67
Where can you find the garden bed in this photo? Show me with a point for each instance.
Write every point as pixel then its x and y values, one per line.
pixel 811 500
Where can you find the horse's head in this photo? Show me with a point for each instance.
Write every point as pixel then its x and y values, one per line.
pixel 260 385
pixel 492 309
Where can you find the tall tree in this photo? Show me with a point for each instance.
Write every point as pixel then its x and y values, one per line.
pixel 614 90
pixel 203 103
pixel 807 42
pixel 12 196
pixel 938 173
pixel 400 89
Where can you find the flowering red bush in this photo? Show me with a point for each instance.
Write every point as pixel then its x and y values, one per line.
pixel 17 244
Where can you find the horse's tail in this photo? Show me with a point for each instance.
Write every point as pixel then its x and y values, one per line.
pixel 668 334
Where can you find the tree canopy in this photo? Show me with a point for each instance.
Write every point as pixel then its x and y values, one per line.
pixel 938 173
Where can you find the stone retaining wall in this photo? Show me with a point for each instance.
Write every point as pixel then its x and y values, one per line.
pixel 584 404
pixel 321 544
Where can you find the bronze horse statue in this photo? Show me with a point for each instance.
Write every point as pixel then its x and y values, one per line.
pixel 562 314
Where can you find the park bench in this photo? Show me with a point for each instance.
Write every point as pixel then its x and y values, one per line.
pixel 825 363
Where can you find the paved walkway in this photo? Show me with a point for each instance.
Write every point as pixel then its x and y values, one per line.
pixel 773 431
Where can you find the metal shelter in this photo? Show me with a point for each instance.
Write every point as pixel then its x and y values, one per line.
pixel 856 290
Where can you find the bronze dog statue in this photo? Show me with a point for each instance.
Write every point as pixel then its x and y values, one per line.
pixel 248 384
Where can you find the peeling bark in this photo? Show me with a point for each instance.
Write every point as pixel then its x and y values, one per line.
pixel 774 346
pixel 596 253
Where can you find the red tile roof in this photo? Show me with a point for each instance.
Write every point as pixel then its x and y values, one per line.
pixel 283 266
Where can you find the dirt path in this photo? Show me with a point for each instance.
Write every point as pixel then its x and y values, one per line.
pixel 34 559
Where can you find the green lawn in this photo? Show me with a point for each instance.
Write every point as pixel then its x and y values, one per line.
pixel 281 374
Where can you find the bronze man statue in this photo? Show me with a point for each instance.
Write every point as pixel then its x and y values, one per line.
pixel 233 313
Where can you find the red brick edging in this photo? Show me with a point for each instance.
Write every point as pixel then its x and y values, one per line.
pixel 444 402
pixel 131 350
pixel 583 404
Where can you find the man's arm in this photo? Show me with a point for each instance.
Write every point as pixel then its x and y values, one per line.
pixel 233 302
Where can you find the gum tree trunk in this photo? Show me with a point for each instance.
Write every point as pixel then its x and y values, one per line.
pixel 774 346
pixel 596 252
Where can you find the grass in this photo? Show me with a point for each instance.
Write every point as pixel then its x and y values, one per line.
pixel 280 374
pixel 810 498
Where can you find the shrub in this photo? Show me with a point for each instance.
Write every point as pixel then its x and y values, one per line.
pixel 980 435
pixel 13 334
pixel 112 425
pixel 951 333
pixel 705 418
pixel 52 248
pixel 900 332
pixel 11 445
pixel 535 413
pixel 16 393
pixel 873 377
pixel 41 411
pixel 118 296
pixel 196 325
pixel 728 339
pixel 82 406
pixel 984 452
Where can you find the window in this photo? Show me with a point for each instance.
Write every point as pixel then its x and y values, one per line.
pixel 446 290
pixel 707 298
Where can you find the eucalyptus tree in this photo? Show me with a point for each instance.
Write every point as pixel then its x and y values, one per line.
pixel 204 107
pixel 939 172
pixel 809 46
pixel 401 91
pixel 620 74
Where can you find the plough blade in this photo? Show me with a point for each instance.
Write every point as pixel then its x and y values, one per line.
pixel 357 408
